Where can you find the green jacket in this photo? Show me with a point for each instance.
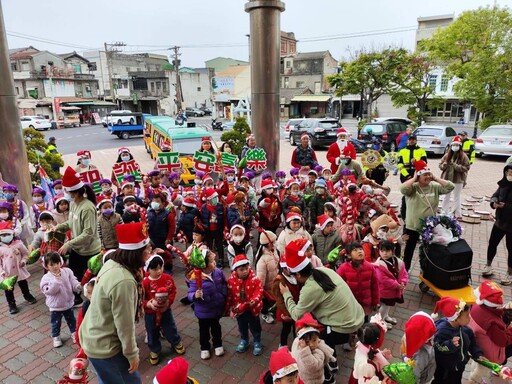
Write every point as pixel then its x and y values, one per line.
pixel 338 309
pixel 316 206
pixel 109 324
pixel 83 223
pixel 325 244
pixel 422 202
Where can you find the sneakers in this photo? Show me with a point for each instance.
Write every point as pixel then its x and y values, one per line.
pixel 13 308
pixel 333 366
pixel 205 355
pixel 31 299
pixel 154 358
pixel 258 349
pixel 179 348
pixel 57 342
pixel 73 337
pixel 507 279
pixel 268 318
pixel 219 351
pixel 390 320
pixel 242 346
pixel 389 326
pixel 487 271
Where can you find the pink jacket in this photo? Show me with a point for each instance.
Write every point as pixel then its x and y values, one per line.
pixel 13 260
pixel 388 285
pixel 59 290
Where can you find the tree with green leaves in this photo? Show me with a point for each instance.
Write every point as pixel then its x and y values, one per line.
pixel 477 49
pixel 36 153
pixel 411 84
pixel 236 137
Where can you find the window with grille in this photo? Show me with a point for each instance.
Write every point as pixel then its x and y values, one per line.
pixel 444 83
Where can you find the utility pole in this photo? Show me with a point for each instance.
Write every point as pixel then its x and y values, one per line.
pixel 110 50
pixel 176 64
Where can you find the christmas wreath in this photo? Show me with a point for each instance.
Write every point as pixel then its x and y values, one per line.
pixel 431 222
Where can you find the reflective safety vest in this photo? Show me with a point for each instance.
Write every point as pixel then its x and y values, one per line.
pixel 468 146
pixel 404 159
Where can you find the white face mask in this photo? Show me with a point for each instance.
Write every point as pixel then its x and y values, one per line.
pixel 320 191
pixel 106 189
pixel 37 199
pixel 238 239
pixel 227 150
pixel 155 205
pixel 58 191
pixel 509 178
pixel 125 158
pixel 281 180
pixel 4 216
pixel 198 182
pixel 6 239
pixel 381 234
pixel 295 193
pixel 455 148
pixel 230 179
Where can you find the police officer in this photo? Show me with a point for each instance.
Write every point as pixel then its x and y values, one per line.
pixel 52 149
pixel 406 159
pixel 468 146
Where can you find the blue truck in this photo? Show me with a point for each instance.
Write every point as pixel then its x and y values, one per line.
pixel 134 127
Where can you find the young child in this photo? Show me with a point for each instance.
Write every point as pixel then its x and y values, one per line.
pixel 269 207
pixel 492 334
pixel 245 302
pixel 61 210
pixel 266 264
pixel 307 247
pixel 107 221
pixel 417 345
pixel 361 277
pixel 369 360
pixel 393 279
pixel 454 341
pixel 41 238
pixel 292 231
pixel 238 244
pixel 188 218
pixel 379 231
pixel 175 372
pixel 325 239
pixel 316 205
pixel 58 285
pixel 208 292
pixel 20 212
pixel 330 210
pixel 132 213
pixel 159 294
pixel 13 262
pixel 212 216
pixel 283 369
pixel 162 226
pixel 293 198
pixel 286 278
pixel 311 352
pixel 107 191
pixel 6 215
pixel 87 288
pixel 38 207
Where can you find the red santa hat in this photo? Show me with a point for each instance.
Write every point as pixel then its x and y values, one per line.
pixel 418 329
pixel 162 292
pixel 102 199
pixel 230 199
pixel 293 216
pixel 290 182
pixel 210 194
pixel 265 203
pixel 489 294
pixel 132 236
pixel 267 184
pixel 282 260
pixel 206 139
pixel 84 153
pixel 421 167
pixel 127 183
pixel 303 245
pixel 282 363
pixel 150 259
pixel 323 220
pixel 57 199
pixel 450 307
pixel 206 178
pixel 123 149
pixel 175 372
pixel 239 261
pixel 341 131
pixel 306 324
pixel 294 261
pixel 189 202
pixel 457 140
pixel 304 134
pixel 188 191
pixel 6 227
pixel 71 180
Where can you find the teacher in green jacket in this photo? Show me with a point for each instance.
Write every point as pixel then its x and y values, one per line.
pixel 326 296
pixel 83 224
pixel 107 333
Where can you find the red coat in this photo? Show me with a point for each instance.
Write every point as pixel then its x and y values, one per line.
pixel 252 289
pixel 334 152
pixel 371 250
pixel 151 286
pixel 362 282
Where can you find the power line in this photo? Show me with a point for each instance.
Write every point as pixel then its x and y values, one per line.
pixel 45 40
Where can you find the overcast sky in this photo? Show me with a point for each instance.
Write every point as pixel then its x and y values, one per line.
pixel 196 25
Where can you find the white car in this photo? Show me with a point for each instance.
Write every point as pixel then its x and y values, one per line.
pixel 495 140
pixel 36 122
pixel 119 118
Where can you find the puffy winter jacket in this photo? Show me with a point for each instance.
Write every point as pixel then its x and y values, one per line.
pixel 267 268
pixel 292 201
pixel 287 235
pixel 325 244
pixel 245 295
pixel 362 281
pixel 186 223
pixel 215 291
pixel 316 207
pixel 503 195
pixel 207 216
pixel 387 282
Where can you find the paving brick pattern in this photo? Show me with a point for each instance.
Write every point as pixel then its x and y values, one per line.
pixel 28 356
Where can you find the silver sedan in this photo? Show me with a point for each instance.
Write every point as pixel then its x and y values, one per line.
pixel 495 140
pixel 435 138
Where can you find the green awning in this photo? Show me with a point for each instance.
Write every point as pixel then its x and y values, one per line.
pixel 81 102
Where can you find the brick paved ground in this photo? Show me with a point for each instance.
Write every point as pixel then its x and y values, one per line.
pixel 28 357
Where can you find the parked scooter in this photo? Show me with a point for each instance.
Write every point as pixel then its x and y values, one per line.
pixel 217 125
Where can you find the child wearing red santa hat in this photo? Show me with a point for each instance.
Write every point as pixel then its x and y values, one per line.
pixel 283 369
pixel 175 372
pixel 454 341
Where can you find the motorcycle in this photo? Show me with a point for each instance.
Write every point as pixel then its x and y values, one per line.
pixel 217 125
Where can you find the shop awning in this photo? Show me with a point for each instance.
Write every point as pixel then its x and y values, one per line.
pixel 81 103
pixel 313 98
pixel 70 108
pixel 351 98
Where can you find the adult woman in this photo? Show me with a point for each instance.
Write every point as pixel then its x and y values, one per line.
pixel 83 224
pixel 422 199
pixel 107 333
pixel 124 156
pixel 501 200
pixel 455 166
pixel 84 162
pixel 226 147
pixel 326 296
pixel 304 157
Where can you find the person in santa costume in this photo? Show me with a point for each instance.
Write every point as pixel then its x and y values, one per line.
pixel 346 162
pixel 175 372
pixel 283 369
pixel 336 149
pixel 454 341
pixel 417 345
pixel 492 333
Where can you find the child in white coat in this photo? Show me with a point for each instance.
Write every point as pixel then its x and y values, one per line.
pixel 267 268
pixel 293 230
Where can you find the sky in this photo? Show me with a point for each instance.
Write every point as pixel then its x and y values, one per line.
pixel 205 29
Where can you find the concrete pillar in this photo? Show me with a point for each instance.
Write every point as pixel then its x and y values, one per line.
pixel 265 45
pixel 13 148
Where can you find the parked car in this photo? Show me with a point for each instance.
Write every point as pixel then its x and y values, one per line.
pixel 120 117
pixel 196 112
pixel 207 111
pixel 435 138
pixel 320 131
pixel 36 122
pixel 290 125
pixel 387 131
pixel 495 140
pixel 404 120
